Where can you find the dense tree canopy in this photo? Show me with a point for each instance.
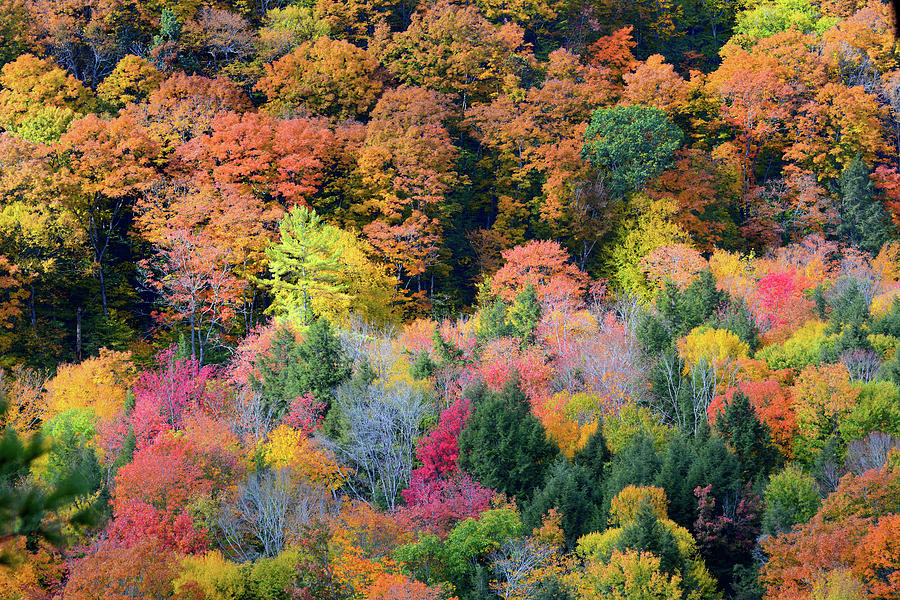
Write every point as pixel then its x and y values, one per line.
pixel 449 300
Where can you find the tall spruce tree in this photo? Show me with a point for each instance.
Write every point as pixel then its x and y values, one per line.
pixel 636 464
pixel 569 489
pixel 689 462
pixel 504 446
pixel 677 312
pixel 864 222
pixel 646 534
pixel 747 437
pixel 593 456
pixel 289 370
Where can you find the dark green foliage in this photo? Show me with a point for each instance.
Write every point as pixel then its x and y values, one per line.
pixel 716 466
pixel 594 456
pixel 481 582
pixel 183 348
pixel 889 323
pixel 424 367
pixel 126 454
pixel 323 363
pixel 678 312
pixel 745 584
pixel 839 304
pixel 690 462
pixel 130 400
pixel 364 375
pixel 826 464
pixel 552 589
pixel 492 323
pixel 525 315
pixel 569 489
pixel 890 370
pixel 737 319
pixel 654 334
pixel 289 370
pixel 698 302
pixel 646 534
pixel 864 222
pixel 636 464
pixel 446 352
pixel 747 437
pixel 849 307
pixel 504 446
pixel 677 459
pixel 846 308
pixel 630 145
pixel 280 372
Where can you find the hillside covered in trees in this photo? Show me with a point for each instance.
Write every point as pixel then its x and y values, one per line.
pixel 450 300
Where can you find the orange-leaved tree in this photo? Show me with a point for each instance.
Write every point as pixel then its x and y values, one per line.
pixel 855 531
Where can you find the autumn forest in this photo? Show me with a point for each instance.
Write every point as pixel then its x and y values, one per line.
pixel 449 300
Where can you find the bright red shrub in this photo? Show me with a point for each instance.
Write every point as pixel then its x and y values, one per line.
pixel 439 504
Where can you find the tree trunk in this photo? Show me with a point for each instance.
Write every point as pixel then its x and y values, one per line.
pixel 193 336
pixel 78 333
pixel 102 287
pixel 33 312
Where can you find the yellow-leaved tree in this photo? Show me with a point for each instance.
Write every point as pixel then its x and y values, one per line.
pixel 290 448
pixel 570 420
pixel 321 267
pixel 647 225
pixel 619 565
pixel 98 384
pixel 718 347
pixel 38 100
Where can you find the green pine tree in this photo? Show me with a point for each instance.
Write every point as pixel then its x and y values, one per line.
pixel 525 315
pixel 304 264
pixel 636 464
pixel 678 312
pixel 424 367
pixel 890 370
pixel 646 534
pixel 594 456
pixel 289 370
pixel 748 438
pixel 689 462
pixel 446 352
pixel 323 360
pixel 504 446
pixel 864 222
pixel 569 489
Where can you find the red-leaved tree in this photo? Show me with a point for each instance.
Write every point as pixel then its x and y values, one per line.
pixel 545 265
pixel 163 395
